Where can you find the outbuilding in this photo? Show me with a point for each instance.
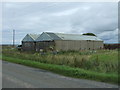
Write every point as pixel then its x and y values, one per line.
pixel 29 42
pixel 65 42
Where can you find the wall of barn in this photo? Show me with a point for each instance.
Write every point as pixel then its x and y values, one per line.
pixel 98 45
pixel 28 46
pixel 44 45
pixel 78 45
pixel 63 45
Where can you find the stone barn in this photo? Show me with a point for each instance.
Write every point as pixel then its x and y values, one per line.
pixel 65 42
pixel 29 42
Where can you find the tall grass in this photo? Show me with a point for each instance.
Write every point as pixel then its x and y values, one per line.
pixel 104 61
pixel 67 71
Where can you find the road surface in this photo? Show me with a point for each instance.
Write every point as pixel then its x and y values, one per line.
pixel 19 76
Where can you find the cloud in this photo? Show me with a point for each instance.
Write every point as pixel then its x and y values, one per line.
pixel 67 12
pixel 110 36
pixel 98 18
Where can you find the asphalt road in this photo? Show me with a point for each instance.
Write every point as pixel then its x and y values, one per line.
pixel 19 76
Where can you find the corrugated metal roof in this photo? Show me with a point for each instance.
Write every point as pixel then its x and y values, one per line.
pixel 31 37
pixel 34 36
pixel 44 37
pixel 54 36
pixel 62 36
pixel 49 36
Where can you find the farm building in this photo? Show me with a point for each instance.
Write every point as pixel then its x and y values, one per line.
pixel 61 41
pixel 29 42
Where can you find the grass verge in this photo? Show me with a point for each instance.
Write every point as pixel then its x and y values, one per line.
pixel 66 70
pixel 101 61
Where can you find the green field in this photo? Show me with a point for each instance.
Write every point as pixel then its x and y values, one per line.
pixel 101 65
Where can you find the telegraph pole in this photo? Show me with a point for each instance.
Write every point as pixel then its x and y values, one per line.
pixel 13 37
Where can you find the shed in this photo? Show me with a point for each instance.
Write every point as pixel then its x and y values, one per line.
pixel 61 41
pixel 29 42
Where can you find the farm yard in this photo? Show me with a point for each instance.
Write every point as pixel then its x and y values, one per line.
pixel 101 65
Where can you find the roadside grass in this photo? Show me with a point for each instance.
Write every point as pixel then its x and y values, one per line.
pixel 66 70
pixel 0 55
pixel 0 52
pixel 103 61
pixel 100 65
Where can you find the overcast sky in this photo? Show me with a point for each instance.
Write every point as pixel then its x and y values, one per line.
pixel 93 17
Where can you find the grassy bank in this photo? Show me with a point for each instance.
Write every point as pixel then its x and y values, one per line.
pixel 0 56
pixel 103 61
pixel 66 70
pixel 101 65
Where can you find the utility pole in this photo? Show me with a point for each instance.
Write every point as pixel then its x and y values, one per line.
pixel 13 37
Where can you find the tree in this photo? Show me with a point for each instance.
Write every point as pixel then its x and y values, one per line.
pixel 90 34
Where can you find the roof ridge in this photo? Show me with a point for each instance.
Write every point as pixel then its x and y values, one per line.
pixel 69 34
pixel 31 36
pixel 48 35
pixel 58 36
pixel 37 35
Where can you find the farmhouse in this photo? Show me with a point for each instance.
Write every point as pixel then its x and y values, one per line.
pixel 61 41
